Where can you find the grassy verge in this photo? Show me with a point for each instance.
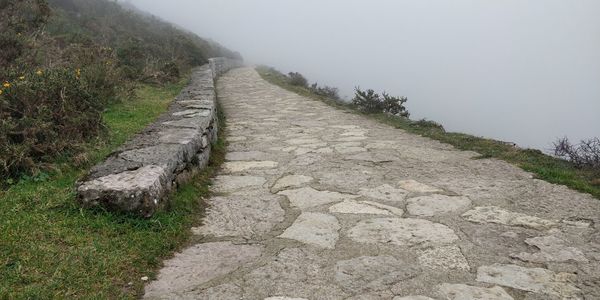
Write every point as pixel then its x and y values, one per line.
pixel 50 248
pixel 544 167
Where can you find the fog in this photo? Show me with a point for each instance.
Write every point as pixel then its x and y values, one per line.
pixel 524 71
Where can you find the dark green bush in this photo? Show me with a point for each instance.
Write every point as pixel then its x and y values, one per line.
pixel 297 79
pixel 370 102
pixel 325 91
pixel 132 59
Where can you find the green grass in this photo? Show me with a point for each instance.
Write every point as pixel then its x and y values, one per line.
pixel 543 166
pixel 51 248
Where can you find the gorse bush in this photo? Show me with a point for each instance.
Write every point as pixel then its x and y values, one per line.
pixel 370 102
pixel 63 61
pixel 45 113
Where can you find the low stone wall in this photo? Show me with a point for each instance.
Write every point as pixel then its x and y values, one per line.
pixel 140 175
pixel 220 65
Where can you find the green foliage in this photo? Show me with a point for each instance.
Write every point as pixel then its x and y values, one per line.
pixel 370 102
pixel 325 91
pixel 297 79
pixel 425 124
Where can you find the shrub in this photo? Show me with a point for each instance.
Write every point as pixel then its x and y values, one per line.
pixel 586 154
pixel 132 59
pixel 45 113
pixel 295 78
pixel 325 91
pixel 427 124
pixel 370 102
pixel 395 105
pixel 367 101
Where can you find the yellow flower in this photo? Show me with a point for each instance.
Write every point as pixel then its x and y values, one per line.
pixel 1 92
pixel 22 78
pixel 6 85
pixel 39 72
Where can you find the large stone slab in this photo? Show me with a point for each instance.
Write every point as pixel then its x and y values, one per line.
pixel 295 273
pixel 241 215
pixel 315 229
pixel 552 249
pixel 444 258
pixel 227 183
pixel 241 166
pixel 140 191
pixel 290 181
pixel 417 187
pixel 497 215
pixel 308 197
pixel 199 264
pixel 402 232
pixel 364 207
pixel 246 155
pixel 469 292
pixel 433 205
pixel 385 192
pixel 372 273
pixel 535 280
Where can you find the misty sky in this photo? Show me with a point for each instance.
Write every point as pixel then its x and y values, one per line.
pixel 526 71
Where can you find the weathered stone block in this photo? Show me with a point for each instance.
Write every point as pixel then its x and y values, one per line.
pixel 140 191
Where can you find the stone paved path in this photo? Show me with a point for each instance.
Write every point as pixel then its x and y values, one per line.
pixel 318 203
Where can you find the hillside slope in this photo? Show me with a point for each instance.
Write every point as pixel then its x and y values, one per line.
pixel 63 61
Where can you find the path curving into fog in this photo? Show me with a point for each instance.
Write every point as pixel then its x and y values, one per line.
pixel 319 203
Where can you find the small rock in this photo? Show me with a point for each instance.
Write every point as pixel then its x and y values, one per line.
pixel 145 278
pixel 314 229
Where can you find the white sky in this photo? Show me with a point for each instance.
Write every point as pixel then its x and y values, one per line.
pixel 526 71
